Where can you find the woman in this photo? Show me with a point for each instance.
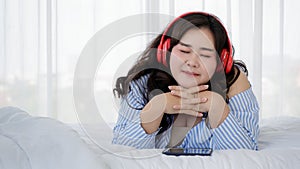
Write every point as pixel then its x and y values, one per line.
pixel 188 93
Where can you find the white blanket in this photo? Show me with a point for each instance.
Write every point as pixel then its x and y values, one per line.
pixel 42 143
pixel 28 142
pixel 279 148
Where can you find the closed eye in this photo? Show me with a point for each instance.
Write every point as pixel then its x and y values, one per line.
pixel 184 51
pixel 206 56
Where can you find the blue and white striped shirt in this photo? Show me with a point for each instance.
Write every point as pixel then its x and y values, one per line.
pixel 238 131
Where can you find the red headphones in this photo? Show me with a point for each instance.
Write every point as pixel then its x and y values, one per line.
pixel 226 56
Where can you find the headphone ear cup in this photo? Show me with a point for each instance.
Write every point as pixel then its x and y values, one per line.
pixel 226 60
pixel 224 57
pixel 165 47
pixel 229 64
pixel 159 53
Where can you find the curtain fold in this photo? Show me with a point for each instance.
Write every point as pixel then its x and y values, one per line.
pixel 41 40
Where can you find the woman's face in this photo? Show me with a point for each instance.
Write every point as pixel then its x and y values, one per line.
pixel 193 59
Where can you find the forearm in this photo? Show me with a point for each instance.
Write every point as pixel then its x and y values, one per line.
pixel 128 130
pixel 218 110
pixel 217 118
pixel 152 114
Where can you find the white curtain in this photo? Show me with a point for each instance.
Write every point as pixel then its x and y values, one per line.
pixel 41 41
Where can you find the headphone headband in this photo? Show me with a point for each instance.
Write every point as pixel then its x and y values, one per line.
pixel 226 56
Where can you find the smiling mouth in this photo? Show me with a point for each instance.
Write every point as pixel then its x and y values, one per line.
pixel 190 73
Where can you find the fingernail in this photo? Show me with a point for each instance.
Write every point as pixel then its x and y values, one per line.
pixel 203 99
pixel 206 86
pixel 172 92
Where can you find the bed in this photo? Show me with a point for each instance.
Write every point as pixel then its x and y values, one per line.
pixel 28 142
pixel 40 142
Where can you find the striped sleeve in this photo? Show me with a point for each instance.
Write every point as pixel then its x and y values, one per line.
pixel 240 129
pixel 128 130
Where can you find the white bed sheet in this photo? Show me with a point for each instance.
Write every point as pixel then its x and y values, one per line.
pixel 279 148
pixel 35 142
pixel 28 142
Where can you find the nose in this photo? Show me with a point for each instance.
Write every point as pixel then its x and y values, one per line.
pixel 193 61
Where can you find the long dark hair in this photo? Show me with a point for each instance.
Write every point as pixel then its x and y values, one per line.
pixel 160 75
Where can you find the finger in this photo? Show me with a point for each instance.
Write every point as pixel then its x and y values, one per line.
pixel 189 90
pixel 182 94
pixel 190 112
pixel 196 107
pixel 179 88
pixel 197 89
pixel 194 100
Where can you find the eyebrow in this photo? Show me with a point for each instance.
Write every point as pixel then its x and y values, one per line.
pixel 184 44
pixel 202 48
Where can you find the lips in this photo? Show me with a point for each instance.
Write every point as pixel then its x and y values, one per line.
pixel 190 73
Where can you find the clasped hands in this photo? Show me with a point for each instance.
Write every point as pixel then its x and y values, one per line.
pixel 196 100
pixel 188 106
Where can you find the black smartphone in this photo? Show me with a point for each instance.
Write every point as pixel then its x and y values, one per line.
pixel 188 151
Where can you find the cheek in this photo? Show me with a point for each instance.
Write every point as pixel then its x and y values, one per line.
pixel 210 67
pixel 177 56
pixel 176 60
pixel 174 64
